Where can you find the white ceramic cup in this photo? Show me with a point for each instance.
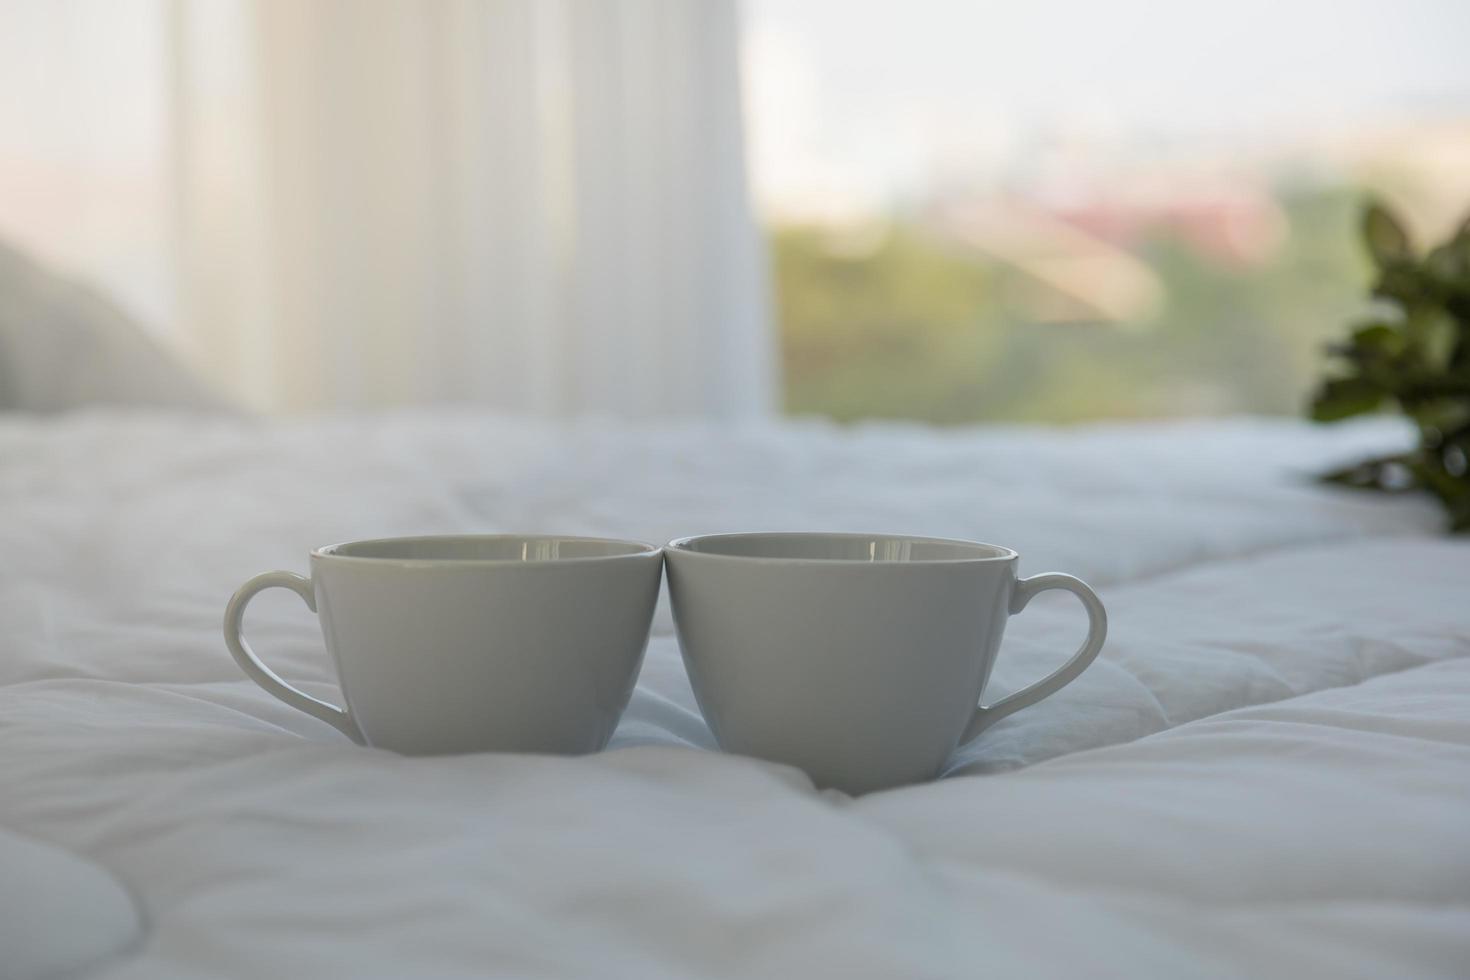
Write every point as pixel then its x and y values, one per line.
pixel 859 658
pixel 472 643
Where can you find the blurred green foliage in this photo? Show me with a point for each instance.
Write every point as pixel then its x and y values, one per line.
pixel 899 324
pixel 1414 357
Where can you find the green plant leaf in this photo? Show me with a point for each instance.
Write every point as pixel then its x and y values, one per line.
pixel 1435 340
pixel 1402 283
pixel 1378 339
pixel 1387 241
pixel 1449 263
pixel 1342 398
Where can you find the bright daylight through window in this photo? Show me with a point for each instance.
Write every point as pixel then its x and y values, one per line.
pixel 995 211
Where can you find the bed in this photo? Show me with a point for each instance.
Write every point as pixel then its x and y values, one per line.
pixel 1267 772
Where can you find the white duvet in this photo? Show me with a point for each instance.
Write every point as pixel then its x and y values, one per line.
pixel 1266 773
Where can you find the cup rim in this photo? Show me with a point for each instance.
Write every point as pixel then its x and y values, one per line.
pixel 684 546
pixel 331 552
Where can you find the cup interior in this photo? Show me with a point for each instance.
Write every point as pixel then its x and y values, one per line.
pixel 866 548
pixel 486 548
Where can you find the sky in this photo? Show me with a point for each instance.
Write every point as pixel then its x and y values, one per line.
pixel 851 103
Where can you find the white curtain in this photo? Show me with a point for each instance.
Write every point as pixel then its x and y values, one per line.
pixel 534 205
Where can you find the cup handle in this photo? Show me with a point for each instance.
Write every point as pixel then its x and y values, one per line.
pixel 338 718
pixel 1097 632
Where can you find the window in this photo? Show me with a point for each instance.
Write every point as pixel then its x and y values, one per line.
pixel 1062 210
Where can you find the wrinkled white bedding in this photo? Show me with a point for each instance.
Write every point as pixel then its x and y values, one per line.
pixel 1267 772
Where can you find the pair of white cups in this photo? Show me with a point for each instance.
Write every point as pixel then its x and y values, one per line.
pixel 859 658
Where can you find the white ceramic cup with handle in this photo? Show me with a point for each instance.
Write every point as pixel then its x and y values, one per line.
pixel 860 658
pixel 472 643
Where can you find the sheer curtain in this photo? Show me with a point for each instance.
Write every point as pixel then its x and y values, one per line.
pixel 534 205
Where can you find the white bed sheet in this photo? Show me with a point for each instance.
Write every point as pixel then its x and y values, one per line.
pixel 1268 770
